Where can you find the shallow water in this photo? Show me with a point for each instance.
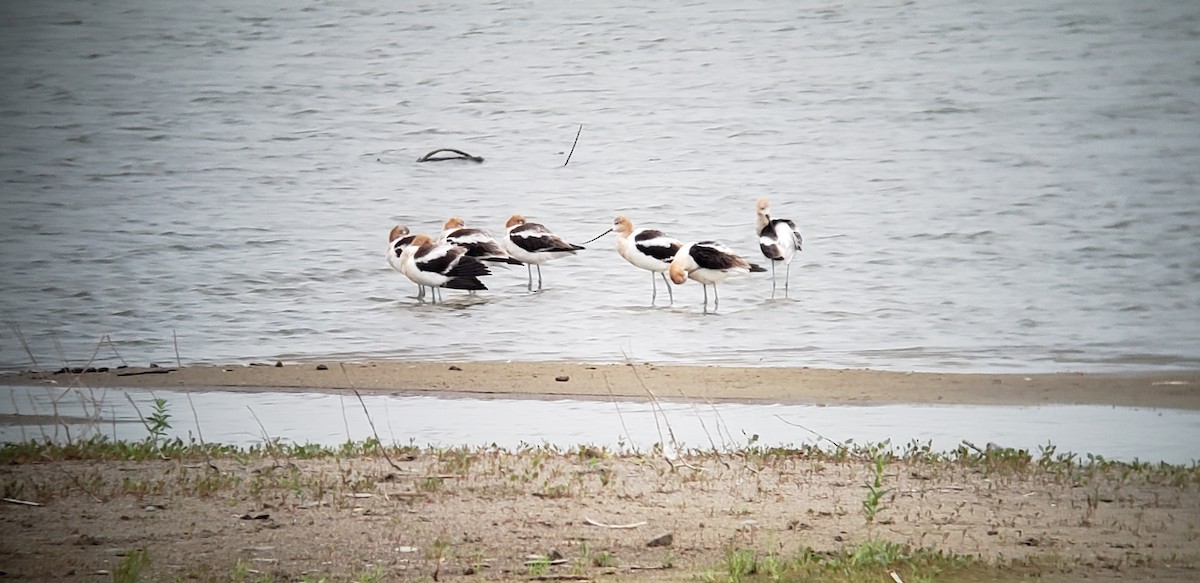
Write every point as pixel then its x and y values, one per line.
pixel 1009 186
pixel 244 418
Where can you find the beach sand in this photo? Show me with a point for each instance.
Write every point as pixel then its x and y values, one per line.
pixel 1176 390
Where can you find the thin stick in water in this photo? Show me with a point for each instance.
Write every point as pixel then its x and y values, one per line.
pixel 266 436
pixel 621 417
pixel 345 421
pixel 138 410
pixel 573 145
pixel 657 408
pixel 24 344
pixel 114 349
pixel 200 433
pixel 382 447
pixel 59 349
pixel 17 411
pixel 95 353
pixel 837 444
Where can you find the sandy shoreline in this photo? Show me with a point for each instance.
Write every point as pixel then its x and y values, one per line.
pixel 479 515
pixel 1174 390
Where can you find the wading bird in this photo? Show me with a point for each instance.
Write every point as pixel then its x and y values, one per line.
pixel 437 265
pixel 779 241
pixel 479 243
pixel 649 249
pixel 709 263
pixel 534 244
pixel 398 239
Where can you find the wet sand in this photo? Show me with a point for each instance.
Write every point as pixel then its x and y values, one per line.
pixel 1175 390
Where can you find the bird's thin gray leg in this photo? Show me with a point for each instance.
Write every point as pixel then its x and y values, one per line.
pixel 772 279
pixel 539 277
pixel 653 288
pixel 670 293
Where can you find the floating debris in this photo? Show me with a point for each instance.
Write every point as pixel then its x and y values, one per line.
pixel 458 155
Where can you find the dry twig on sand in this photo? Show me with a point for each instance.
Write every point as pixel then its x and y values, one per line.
pixel 21 502
pixel 602 525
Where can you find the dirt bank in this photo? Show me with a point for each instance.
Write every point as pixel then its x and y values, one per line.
pixel 481 515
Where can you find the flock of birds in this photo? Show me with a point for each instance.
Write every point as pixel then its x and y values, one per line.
pixel 460 255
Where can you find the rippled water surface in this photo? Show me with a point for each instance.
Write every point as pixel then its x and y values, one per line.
pixel 983 186
pixel 244 418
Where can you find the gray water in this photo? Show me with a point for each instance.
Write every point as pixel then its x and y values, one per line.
pixel 245 418
pixel 981 186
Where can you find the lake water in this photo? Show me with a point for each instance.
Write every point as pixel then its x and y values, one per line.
pixel 981 186
pixel 245 418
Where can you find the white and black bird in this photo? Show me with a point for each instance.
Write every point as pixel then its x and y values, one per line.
pixel 709 263
pixel 649 249
pixel 534 244
pixel 435 265
pixel 398 239
pixel 479 243
pixel 779 241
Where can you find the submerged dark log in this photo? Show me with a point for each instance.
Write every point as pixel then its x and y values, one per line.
pixel 142 372
pixel 458 155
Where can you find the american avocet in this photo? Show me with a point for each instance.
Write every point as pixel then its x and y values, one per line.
pixel 648 249
pixel 440 265
pixel 709 263
pixel 534 244
pixel 479 243
pixel 779 241
pixel 398 239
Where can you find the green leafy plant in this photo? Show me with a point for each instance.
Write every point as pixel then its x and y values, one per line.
pixel 739 563
pixel 539 567
pixel 130 568
pixel 372 574
pixel 158 422
pixel 604 559
pixel 873 503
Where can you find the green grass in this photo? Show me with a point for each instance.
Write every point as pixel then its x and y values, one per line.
pixel 264 476
pixel 101 448
pixel 526 464
pixel 129 570
pixel 868 561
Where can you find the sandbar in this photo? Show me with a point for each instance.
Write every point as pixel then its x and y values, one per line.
pixel 1171 389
